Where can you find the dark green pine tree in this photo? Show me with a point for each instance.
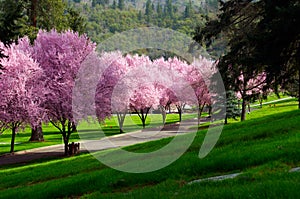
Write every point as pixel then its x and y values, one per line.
pixel 148 10
pixel 101 2
pixel 121 4
pixel 169 8
pixel 232 106
pixel 188 10
pixel 159 10
pixel 114 5
pixel 153 7
pixel 140 16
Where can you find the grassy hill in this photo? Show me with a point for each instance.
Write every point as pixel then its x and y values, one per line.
pixel 264 148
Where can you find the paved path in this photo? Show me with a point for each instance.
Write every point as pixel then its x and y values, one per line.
pixel 120 140
pixel 271 102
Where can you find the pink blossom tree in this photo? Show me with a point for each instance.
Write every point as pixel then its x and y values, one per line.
pixel 143 99
pixel 106 103
pixel 201 91
pixel 200 77
pixel 197 76
pixel 174 88
pixel 250 89
pixel 60 56
pixel 122 77
pixel 166 98
pixel 36 128
pixel 19 102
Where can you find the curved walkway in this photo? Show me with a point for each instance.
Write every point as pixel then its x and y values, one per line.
pixel 120 140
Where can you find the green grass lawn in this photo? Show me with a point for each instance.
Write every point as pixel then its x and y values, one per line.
pixel 133 122
pixel 52 135
pixel 271 97
pixel 264 148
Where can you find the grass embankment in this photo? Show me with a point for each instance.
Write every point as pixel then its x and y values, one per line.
pixel 264 148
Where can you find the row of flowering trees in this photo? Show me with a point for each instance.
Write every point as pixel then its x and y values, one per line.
pixel 38 80
pixel 139 84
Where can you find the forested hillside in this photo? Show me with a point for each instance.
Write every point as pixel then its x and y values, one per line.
pixel 203 5
pixel 104 18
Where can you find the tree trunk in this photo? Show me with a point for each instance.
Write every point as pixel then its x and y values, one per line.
pixel 33 13
pixel 200 110
pixel 249 109
pixel 180 115
pixel 65 137
pixel 260 103
pixel 143 119
pixel 13 136
pixel 298 63
pixel 298 83
pixel 66 142
pixel 121 119
pixel 144 123
pixel 143 116
pixel 36 134
pixel 209 110
pixel 226 120
pixel 163 113
pixel 243 114
pixel 179 109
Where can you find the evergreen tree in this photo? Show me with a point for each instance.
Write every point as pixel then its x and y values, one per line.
pixel 159 9
pixel 101 2
pixel 148 11
pixel 114 5
pixel 188 10
pixel 169 8
pixel 232 109
pixel 140 16
pixel 121 4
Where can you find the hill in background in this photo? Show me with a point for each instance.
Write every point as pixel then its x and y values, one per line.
pixel 204 6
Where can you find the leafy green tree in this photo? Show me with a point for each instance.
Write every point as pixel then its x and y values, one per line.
pixel 25 17
pixel 48 14
pixel 10 13
pixel 236 22
pixel 262 36
pixel 278 43
pixel 75 21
